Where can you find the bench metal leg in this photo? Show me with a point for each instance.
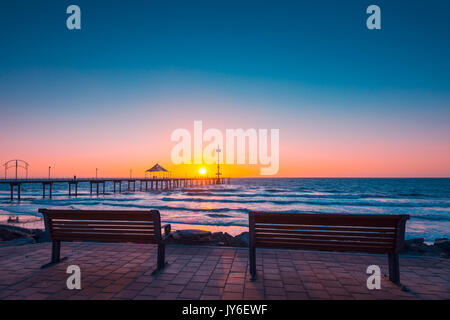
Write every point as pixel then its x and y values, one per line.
pixel 161 263
pixel 252 260
pixel 56 254
pixel 394 268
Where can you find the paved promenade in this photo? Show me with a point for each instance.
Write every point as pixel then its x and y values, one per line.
pixel 123 271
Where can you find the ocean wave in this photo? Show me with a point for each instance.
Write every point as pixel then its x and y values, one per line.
pixel 218 215
pixel 209 190
pixel 266 195
pixel 170 208
pixel 427 201
pixel 324 203
pixel 288 195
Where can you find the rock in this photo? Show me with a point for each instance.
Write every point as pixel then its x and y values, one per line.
pixel 41 235
pixel 14 235
pixel 225 239
pixel 416 245
pixel 191 236
pixel 241 240
pixel 415 241
pixel 221 238
pixel 443 246
pixel 443 243
pixel 8 233
pixel 17 242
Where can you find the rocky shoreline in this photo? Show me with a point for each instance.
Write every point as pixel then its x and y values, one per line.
pixel 13 235
pixel 417 246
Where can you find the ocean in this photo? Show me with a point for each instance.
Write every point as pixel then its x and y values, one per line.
pixel 225 207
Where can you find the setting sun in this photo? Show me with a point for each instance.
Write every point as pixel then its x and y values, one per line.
pixel 202 171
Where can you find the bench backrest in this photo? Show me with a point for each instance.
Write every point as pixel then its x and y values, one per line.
pixel 103 225
pixel 329 232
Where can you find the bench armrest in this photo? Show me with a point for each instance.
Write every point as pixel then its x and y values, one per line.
pixel 167 229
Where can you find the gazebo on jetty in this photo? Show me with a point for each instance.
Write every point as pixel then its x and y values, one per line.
pixel 158 169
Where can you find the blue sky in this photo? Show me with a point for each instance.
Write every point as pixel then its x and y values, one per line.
pixel 316 43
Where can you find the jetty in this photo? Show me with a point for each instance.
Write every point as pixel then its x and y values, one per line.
pixel 119 185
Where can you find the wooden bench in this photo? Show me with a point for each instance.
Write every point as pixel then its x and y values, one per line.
pixel 329 232
pixel 105 226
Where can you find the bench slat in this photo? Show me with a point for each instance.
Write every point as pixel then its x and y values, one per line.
pixel 55 212
pixel 106 217
pixel 260 226
pixel 305 231
pixel 328 219
pixel 86 215
pixel 101 233
pixel 322 237
pixel 105 238
pixel 326 239
pixel 94 231
pixel 324 247
pixel 74 223
pixel 97 226
pixel 331 245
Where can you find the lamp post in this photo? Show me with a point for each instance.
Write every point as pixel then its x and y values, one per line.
pixel 218 150
pixel 49 170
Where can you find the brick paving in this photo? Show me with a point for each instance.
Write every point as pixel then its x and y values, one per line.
pixel 123 271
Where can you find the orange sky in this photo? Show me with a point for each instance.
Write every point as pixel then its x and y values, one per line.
pixel 116 152
pixel 314 141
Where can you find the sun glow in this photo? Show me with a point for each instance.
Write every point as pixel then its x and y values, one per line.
pixel 202 171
